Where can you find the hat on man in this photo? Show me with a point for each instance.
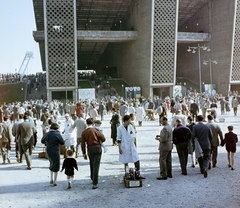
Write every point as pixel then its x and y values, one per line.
pixel 66 115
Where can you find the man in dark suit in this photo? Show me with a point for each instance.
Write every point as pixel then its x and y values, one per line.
pixel 194 110
pixel 25 131
pixel 181 137
pixel 203 134
pixel 101 109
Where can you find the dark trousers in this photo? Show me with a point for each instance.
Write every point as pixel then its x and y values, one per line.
pixel 182 150
pixel 136 165
pixel 214 153
pixel 94 155
pixel 204 160
pixel 114 141
pixel 165 162
pixel 194 116
pixel 17 150
pixel 35 139
pixel 27 151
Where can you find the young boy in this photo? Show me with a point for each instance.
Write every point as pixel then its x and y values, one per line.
pixel 97 125
pixel 69 164
pixel 230 140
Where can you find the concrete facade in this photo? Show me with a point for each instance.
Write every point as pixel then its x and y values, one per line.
pixel 216 18
pixel 147 44
pixel 133 59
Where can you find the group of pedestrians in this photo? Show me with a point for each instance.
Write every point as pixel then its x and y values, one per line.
pixel 185 132
pixel 203 137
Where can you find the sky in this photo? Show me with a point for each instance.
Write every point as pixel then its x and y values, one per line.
pixel 17 24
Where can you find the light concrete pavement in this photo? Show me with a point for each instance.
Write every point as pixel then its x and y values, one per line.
pixel 20 187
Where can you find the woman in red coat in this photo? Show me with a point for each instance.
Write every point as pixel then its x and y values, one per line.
pixel 230 140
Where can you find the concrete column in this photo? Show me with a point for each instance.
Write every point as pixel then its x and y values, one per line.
pixel 75 95
pixel 151 92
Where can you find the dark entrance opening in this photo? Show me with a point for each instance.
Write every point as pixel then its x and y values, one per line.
pixel 61 95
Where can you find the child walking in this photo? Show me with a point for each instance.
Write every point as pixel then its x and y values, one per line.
pixel 230 140
pixel 69 164
pixel 97 125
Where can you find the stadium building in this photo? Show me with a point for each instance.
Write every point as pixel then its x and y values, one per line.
pixel 154 44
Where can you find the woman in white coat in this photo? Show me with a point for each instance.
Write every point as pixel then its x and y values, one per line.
pixel 127 149
pixel 69 133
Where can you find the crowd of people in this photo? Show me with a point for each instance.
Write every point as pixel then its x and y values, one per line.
pixel 193 128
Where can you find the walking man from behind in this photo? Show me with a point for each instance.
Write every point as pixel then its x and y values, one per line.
pixel 217 133
pixel 25 131
pixel 203 134
pixel 80 124
pixel 92 138
pixel 181 138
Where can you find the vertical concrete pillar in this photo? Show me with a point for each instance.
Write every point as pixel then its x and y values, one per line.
pixel 164 42
pixel 60 45
pixel 235 61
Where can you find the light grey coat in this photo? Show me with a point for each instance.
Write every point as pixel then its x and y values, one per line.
pixel 216 132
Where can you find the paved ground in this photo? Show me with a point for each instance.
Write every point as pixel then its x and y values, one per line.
pixel 30 188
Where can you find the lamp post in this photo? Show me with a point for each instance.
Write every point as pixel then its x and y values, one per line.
pixel 185 89
pixel 65 66
pixel 122 90
pixel 210 69
pixel 193 50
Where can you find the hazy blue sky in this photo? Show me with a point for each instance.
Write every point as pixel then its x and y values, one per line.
pixel 17 23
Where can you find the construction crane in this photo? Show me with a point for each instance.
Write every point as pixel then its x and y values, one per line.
pixel 25 62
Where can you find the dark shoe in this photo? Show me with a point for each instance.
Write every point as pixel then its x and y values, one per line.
pixel 29 168
pixel 184 173
pixel 209 166
pixel 169 176
pixel 205 173
pixel 140 177
pixel 193 166
pixel 214 166
pixel 232 169
pixel 229 166
pixel 161 178
pixel 94 186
